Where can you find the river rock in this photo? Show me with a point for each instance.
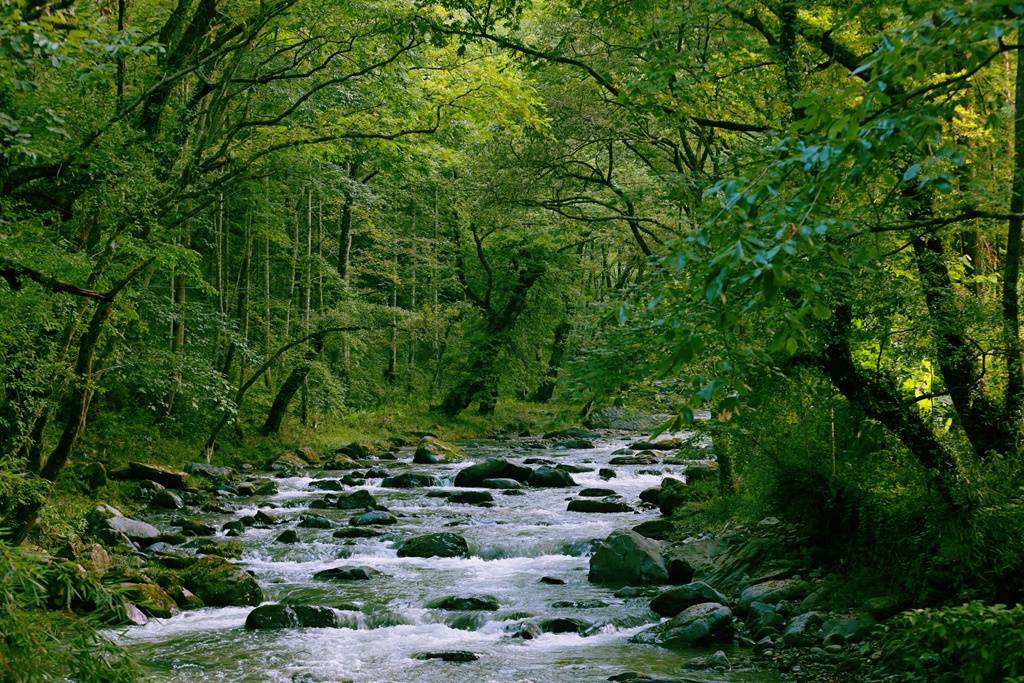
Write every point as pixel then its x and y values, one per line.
pixel 606 473
pixel 194 527
pixel 609 504
pixel 315 522
pixel 167 499
pixel 508 486
pixel 357 500
pixel 674 600
pixel 666 444
pixel 773 591
pixel 761 615
pixel 161 474
pixel 552 580
pixel 111 525
pixel 574 444
pixel 151 599
pixel 410 480
pixel 327 485
pixel 491 469
pixel 219 583
pixel 288 536
pixel 549 477
pixel 674 495
pixel 563 625
pixel 801 630
pixel 626 557
pixel 849 628
pixel 373 518
pixel 291 616
pixel 596 493
pixel 441 544
pixel 634 460
pixel 211 472
pixel 707 622
pixel 433 451
pixel 718 660
pixel 264 518
pixel 448 656
pixel 579 604
pixel 484 603
pixel 347 574
pixel 471 497
pixel 658 529
pixel 354 450
pixel 356 532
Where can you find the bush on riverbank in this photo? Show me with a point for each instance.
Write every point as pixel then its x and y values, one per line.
pixel 973 643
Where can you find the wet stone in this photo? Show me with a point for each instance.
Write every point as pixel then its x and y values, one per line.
pixel 373 518
pixel 448 656
pixel 347 574
pixel 356 532
pixel 485 603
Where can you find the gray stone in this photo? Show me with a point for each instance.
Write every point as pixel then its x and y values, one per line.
pixel 626 557
pixel 410 480
pixel 110 518
pixel 674 600
pixel 773 591
pixel 490 469
pixel 441 544
pixel 347 574
pixel 610 504
pixel 432 451
pixel 696 625
pixel 549 477
pixel 485 603
pixel 373 518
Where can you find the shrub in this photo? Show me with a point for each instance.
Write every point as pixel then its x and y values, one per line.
pixel 973 643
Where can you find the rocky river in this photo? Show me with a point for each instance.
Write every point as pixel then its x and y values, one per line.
pixel 513 604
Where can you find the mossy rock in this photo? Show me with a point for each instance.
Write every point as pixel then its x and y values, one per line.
pixel 219 583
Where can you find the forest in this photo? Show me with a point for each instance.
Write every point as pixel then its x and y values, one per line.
pixel 511 340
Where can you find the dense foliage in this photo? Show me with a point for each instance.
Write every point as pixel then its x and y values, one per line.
pixel 220 221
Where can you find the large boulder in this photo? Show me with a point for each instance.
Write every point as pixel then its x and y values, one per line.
pixel 707 622
pixel 627 558
pixel 410 480
pixel 492 468
pixel 484 603
pixel 673 601
pixel 441 544
pixel 672 495
pixel 608 504
pixel 167 499
pixel 211 472
pixel 432 451
pixel 666 444
pixel 471 497
pixel 291 616
pixel 219 583
pixel 549 477
pixel 111 525
pixel 771 592
pixel 165 476
pixel 357 500
pixel 373 518
pixel 511 486
pixel 347 574
pixel 151 599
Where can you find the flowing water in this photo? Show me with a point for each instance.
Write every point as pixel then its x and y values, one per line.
pixel 512 545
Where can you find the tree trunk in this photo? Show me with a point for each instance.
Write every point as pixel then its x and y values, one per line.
pixel 1011 269
pixel 880 399
pixel 547 387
